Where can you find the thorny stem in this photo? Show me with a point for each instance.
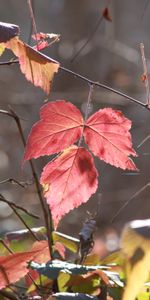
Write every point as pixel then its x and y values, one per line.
pixel 12 114
pixel 18 215
pixel 89 81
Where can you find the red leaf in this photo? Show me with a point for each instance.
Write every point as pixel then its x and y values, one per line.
pixel 14 266
pixel 60 126
pixel 106 14
pixel 69 181
pixel 41 36
pixel 41 45
pixel 38 68
pixel 107 135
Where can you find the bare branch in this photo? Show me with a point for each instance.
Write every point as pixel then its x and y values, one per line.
pixel 13 207
pixel 128 201
pixel 2 199
pixel 89 81
pixel 89 38
pixel 144 141
pixel 16 182
pixel 13 114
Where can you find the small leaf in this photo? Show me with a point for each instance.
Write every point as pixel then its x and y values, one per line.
pixel 107 135
pixel 68 241
pixel 60 126
pixel 2 48
pixel 71 296
pixel 106 14
pixel 8 31
pixel 53 268
pixel 41 45
pixel 23 234
pixel 37 68
pixel 41 36
pixel 70 180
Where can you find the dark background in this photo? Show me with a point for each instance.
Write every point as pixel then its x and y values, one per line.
pixel 111 57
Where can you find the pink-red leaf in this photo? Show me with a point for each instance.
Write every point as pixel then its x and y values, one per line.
pixel 59 127
pixel 41 36
pixel 36 67
pixel 41 45
pixel 14 266
pixel 107 135
pixel 69 181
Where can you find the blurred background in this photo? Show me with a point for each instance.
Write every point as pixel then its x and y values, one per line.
pixel 112 56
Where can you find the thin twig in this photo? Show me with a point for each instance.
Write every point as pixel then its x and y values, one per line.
pixel 89 81
pixel 89 38
pixel 8 295
pixel 101 85
pixel 31 26
pixel 18 207
pixel 16 182
pixel 12 206
pixel 33 20
pixel 12 114
pixel 145 74
pixel 144 141
pixel 128 201
pixel 6 246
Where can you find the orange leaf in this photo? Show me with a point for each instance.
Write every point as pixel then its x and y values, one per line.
pixel 37 68
pixel 69 181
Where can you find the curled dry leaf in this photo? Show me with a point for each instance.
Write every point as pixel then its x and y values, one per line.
pixel 37 68
pixel 59 127
pixel 106 14
pixel 69 181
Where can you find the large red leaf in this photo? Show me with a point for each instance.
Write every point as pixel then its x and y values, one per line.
pixel 14 266
pixel 60 126
pixel 36 67
pixel 107 135
pixel 69 181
